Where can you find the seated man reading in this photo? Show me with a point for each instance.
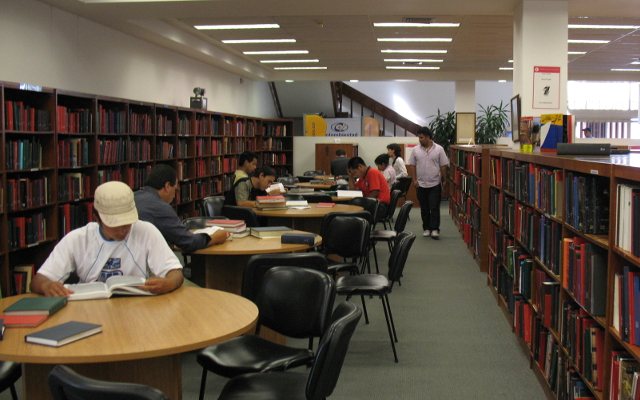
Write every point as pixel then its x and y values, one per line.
pixel 247 163
pixel 370 181
pixel 117 244
pixel 153 203
pixel 245 190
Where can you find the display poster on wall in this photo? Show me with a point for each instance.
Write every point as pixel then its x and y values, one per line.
pixel 408 149
pixel 344 127
pixel 546 87
pixel 371 127
pixel 314 125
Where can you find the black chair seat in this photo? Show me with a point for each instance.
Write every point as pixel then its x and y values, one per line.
pixel 369 284
pixel 384 235
pixel 289 386
pixel 247 354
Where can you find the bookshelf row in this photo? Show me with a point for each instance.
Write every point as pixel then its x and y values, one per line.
pixel 58 146
pixel 559 238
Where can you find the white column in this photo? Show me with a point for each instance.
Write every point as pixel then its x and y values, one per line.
pixel 540 34
pixel 465 96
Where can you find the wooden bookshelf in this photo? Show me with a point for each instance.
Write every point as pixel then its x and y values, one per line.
pixel 553 259
pixel 77 141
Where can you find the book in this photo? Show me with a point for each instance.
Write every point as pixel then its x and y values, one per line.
pixel 1 328
pixel 297 203
pixel 226 223
pixel 36 306
pixel 209 230
pixel 122 285
pixel 23 321
pixel 349 193
pixel 62 334
pixel 276 187
pixel 325 205
pixel 270 231
pixel 240 235
pixel 270 199
pixel 299 238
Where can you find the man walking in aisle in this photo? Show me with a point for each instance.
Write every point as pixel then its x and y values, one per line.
pixel 427 167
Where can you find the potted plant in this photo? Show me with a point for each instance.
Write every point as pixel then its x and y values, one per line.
pixel 443 127
pixel 491 123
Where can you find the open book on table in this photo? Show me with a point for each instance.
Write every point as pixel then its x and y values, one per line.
pixel 119 285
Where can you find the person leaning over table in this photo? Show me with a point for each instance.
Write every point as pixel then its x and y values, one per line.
pixel 116 244
pixel 382 162
pixel 153 203
pixel 247 163
pixel 370 181
pixel 245 190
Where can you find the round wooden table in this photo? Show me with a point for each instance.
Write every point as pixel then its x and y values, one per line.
pixel 141 341
pixel 306 219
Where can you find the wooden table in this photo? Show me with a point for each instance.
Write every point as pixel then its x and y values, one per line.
pixel 141 341
pixel 316 186
pixel 307 219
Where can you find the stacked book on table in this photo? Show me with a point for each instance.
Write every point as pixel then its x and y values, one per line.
pixel 266 232
pixel 237 227
pixel 271 203
pixel 297 204
pixel 30 312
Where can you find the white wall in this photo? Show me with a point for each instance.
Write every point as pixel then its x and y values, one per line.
pixel 43 45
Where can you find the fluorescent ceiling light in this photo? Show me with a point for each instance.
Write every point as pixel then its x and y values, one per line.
pixel 415 51
pixel 625 69
pixel 414 25
pixel 289 81
pixel 288 61
pixel 244 26
pixel 354 80
pixel 510 61
pixel 636 62
pixel 276 52
pixel 571 26
pixel 414 39
pixel 502 81
pixel 410 60
pixel 409 67
pixel 259 41
pixel 290 68
pixel 506 68
pixel 587 41
pixel 576 52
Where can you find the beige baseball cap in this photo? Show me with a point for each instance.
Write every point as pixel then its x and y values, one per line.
pixel 115 205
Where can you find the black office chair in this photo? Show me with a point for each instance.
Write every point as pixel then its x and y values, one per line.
pixel 196 222
pixel 286 306
pixel 293 197
pixel 10 372
pixel 288 182
pixel 248 215
pixel 370 204
pixel 314 173
pixel 380 285
pixel 390 236
pixel 387 218
pixel 212 205
pixel 339 187
pixel 65 384
pixel 403 185
pixel 348 238
pixel 319 383
pixel 317 198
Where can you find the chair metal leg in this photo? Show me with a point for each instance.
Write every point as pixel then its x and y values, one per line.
pixel 386 317
pixel 203 383
pixel 393 325
pixel 364 308
pixel 310 343
pixel 14 394
pixel 375 256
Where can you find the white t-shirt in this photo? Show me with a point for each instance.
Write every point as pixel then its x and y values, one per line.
pixel 94 258
pixel 400 168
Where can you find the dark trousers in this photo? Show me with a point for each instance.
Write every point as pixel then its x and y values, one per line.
pixel 429 199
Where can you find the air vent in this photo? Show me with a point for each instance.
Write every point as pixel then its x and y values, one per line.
pixel 418 20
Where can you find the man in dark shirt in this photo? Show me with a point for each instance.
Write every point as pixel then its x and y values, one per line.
pixel 243 193
pixel 153 202
pixel 339 164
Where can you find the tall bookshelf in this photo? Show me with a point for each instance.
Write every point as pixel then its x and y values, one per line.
pixel 58 146
pixel 557 266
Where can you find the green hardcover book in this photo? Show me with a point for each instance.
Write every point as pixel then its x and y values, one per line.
pixel 36 306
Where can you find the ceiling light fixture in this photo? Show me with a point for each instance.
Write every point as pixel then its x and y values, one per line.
pixel 259 41
pixel 415 51
pixel 414 39
pixel 502 81
pixel 588 41
pixel 410 60
pixel 290 68
pixel 414 25
pixel 354 80
pixel 572 26
pixel 576 52
pixel 276 52
pixel 288 61
pixel 407 67
pixel 625 69
pixel 289 81
pixel 243 26
pixel 506 68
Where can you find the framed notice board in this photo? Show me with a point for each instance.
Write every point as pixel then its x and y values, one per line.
pixel 465 127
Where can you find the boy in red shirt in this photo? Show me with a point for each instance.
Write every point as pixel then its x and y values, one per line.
pixel 370 181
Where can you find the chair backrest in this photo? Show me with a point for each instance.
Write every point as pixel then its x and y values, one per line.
pixel 243 213
pixel 288 180
pixel 368 203
pixel 296 302
pixel 259 264
pixel 404 184
pixel 293 197
pixel 332 351
pixel 391 208
pixel 403 216
pixel 347 237
pixel 317 198
pixel 339 187
pixel 10 372
pixel 65 384
pixel 196 222
pixel 314 173
pixel 328 217
pixel 399 254
pixel 212 205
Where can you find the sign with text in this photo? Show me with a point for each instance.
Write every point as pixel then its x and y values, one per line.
pixel 546 87
pixel 344 127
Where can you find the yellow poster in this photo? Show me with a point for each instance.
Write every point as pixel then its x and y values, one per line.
pixel 371 127
pixel 315 125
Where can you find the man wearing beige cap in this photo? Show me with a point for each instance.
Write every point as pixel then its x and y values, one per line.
pixel 117 244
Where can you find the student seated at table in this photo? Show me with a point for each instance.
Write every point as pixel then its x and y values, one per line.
pixel 153 202
pixel 339 164
pixel 245 190
pixel 116 244
pixel 370 181
pixel 247 163
pixel 382 162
